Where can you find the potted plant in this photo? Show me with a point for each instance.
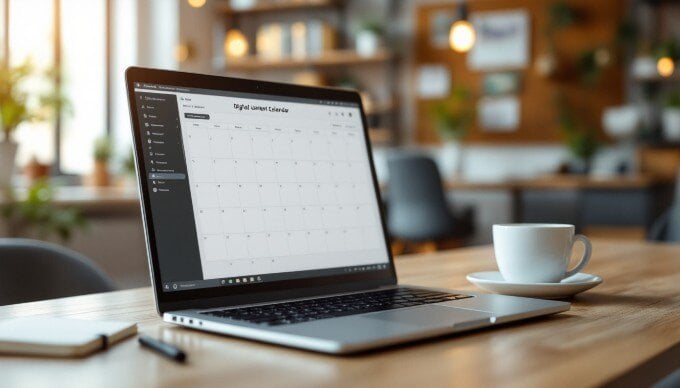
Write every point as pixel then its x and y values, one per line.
pixel 671 117
pixel 103 150
pixel 34 170
pixel 369 38
pixel 17 105
pixel 128 168
pixel 36 214
pixel 452 119
pixel 580 140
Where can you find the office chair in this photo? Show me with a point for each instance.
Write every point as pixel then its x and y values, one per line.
pixel 667 226
pixel 32 270
pixel 417 209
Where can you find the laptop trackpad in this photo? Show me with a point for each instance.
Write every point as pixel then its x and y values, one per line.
pixel 432 316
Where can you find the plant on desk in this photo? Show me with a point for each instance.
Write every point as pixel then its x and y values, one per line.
pixel 453 118
pixel 671 117
pixel 580 139
pixel 19 105
pixel 38 215
pixel 103 149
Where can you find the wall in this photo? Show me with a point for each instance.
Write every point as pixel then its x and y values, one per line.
pixel 595 26
pixel 204 29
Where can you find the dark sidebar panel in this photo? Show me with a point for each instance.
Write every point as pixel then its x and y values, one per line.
pixel 171 207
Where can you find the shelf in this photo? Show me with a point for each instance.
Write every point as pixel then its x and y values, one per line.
pixel 378 108
pixel 658 78
pixel 380 136
pixel 329 58
pixel 278 6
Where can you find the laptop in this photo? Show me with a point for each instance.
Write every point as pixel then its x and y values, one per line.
pixel 263 219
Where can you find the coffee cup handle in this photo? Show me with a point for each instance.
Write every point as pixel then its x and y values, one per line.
pixel 586 255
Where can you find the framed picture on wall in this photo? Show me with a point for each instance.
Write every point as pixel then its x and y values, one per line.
pixel 503 39
pixel 440 25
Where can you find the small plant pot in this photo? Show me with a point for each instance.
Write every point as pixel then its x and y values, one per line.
pixel 367 43
pixel 34 171
pixel 671 124
pixel 101 176
pixel 8 153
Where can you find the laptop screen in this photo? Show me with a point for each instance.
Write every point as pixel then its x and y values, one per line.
pixel 247 188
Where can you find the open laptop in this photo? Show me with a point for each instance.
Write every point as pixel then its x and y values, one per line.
pixel 263 220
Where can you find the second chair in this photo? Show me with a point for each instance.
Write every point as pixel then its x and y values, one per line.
pixel 417 208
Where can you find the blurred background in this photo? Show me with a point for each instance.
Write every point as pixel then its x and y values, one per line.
pixel 480 111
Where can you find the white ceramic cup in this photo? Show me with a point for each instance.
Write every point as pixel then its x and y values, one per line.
pixel 537 253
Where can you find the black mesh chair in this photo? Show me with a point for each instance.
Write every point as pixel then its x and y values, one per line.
pixel 417 209
pixel 667 226
pixel 32 270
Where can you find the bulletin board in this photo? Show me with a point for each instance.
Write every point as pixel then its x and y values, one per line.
pixel 596 25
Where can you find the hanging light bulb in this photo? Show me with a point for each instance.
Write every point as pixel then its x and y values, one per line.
pixel 235 44
pixel 182 52
pixel 665 66
pixel 196 3
pixel 462 35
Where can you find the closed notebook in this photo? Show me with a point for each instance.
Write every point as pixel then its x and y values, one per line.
pixel 58 337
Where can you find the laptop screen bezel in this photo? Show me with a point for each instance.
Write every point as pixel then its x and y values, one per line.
pixel 250 293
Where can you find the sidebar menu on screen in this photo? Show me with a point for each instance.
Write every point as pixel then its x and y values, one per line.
pixel 168 186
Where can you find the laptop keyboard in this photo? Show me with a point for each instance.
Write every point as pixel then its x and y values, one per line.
pixel 336 306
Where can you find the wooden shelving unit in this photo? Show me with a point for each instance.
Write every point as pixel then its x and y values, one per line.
pixel 658 79
pixel 380 136
pixel 383 115
pixel 378 108
pixel 279 6
pixel 330 58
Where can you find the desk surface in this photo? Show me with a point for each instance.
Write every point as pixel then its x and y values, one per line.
pixel 625 321
pixel 560 182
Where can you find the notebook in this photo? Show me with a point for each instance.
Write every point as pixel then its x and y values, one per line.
pixel 59 337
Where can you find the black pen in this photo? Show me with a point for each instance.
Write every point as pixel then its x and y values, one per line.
pixel 163 348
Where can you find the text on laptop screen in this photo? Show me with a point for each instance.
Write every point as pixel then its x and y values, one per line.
pixel 248 188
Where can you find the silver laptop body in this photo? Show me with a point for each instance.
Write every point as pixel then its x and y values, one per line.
pixel 258 195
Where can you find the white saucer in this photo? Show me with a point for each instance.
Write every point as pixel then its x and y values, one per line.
pixel 494 282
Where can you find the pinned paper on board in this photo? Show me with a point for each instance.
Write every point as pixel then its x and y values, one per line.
pixel 434 81
pixel 498 114
pixel 502 40
pixel 496 84
pixel 440 24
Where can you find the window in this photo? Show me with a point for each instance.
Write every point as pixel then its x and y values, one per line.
pixel 90 42
pixel 83 74
pixel 33 41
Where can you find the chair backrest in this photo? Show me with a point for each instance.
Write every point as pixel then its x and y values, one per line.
pixel 673 229
pixel 33 270
pixel 417 205
pixel 667 226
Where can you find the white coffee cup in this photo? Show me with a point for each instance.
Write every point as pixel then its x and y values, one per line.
pixel 537 253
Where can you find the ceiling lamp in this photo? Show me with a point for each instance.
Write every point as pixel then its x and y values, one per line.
pixel 235 44
pixel 182 52
pixel 196 3
pixel 665 66
pixel 462 34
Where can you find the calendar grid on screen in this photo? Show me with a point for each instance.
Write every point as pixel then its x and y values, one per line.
pixel 270 197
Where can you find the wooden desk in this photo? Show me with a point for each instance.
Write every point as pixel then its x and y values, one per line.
pixel 616 203
pixel 628 319
pixel 559 182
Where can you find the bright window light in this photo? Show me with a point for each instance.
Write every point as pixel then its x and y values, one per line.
pixel 33 41
pixel 83 58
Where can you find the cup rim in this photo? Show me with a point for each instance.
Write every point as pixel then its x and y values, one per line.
pixel 534 225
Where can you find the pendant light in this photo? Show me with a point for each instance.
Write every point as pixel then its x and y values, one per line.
pixel 462 35
pixel 235 44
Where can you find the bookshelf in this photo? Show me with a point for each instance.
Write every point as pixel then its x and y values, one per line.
pixel 383 115
pixel 329 58
pixel 263 7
